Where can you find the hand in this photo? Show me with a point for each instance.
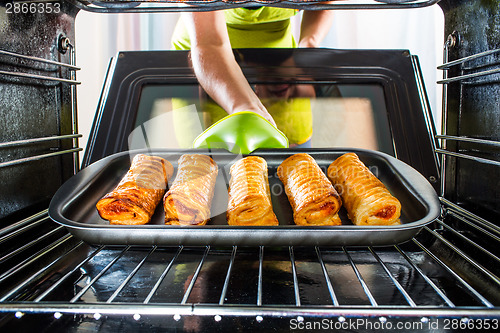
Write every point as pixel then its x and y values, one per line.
pixel 260 111
pixel 268 117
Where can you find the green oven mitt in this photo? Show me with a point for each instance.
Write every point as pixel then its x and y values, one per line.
pixel 241 133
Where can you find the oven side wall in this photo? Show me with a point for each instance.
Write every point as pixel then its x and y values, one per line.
pixel 473 105
pixel 33 108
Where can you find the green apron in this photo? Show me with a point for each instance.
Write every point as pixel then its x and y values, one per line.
pixel 265 27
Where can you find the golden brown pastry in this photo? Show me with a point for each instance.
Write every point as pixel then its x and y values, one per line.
pixel 313 199
pixel 249 194
pixel 367 200
pixel 189 198
pixel 135 198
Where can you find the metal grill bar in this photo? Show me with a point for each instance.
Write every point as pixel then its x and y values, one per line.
pixel 38 273
pixel 327 278
pixel 39 77
pixel 486 232
pixel 37 59
pixel 243 311
pixel 162 276
pixel 195 276
pixel 473 217
pixel 455 275
pixel 466 59
pixel 228 275
pixel 38 140
pixel 396 283
pixel 464 256
pixel 477 246
pixel 101 273
pixel 469 157
pixel 469 76
pixel 360 279
pixel 130 276
pixel 67 275
pixel 30 244
pixel 22 226
pixel 38 157
pixel 259 281
pixel 467 139
pixel 34 257
pixel 425 277
pixel 295 279
pixel 218 5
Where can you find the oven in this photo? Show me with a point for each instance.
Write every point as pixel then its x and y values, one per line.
pixel 445 277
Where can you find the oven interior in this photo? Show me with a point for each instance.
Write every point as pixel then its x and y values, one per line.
pixel 51 280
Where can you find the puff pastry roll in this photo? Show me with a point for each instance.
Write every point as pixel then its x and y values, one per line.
pixel 313 198
pixel 188 200
pixel 135 198
pixel 249 194
pixel 367 200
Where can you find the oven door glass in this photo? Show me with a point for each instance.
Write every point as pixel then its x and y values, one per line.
pixel 316 115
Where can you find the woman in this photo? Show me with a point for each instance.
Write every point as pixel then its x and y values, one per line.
pixel 211 36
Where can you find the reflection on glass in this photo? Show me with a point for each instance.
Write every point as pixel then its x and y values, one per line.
pixel 326 115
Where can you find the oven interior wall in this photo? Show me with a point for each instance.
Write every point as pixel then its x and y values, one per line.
pixel 32 108
pixel 473 106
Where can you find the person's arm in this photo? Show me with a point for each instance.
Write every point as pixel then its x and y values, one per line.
pixel 314 27
pixel 215 66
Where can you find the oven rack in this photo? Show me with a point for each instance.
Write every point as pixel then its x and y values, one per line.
pixel 440 273
pixel 64 45
pixel 468 74
pixel 152 6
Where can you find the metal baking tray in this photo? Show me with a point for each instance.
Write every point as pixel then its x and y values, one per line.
pixel 74 205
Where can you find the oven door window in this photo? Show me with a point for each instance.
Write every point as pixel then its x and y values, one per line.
pixel 319 115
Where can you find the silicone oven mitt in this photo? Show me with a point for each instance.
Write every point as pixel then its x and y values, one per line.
pixel 241 132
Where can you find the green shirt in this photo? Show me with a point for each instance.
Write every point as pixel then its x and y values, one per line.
pixel 264 27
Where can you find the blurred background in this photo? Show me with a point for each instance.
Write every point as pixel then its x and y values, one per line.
pixel 101 36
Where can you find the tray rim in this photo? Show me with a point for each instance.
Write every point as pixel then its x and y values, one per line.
pixel 419 187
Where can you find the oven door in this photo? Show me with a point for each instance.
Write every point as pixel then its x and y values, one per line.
pixel 369 99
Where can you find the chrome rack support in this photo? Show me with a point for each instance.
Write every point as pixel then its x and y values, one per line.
pixel 38 157
pixel 66 45
pixel 450 42
pixel 74 110
pixel 37 59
